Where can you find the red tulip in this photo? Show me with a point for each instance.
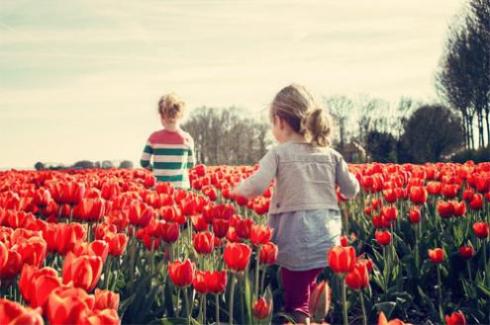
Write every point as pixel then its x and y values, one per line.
pixel 96 248
pixel 481 229
pixel 140 214
pixel 216 281
pixel 445 209
pixel 344 241
pixel 260 234
pixel 169 231
pixel 459 208
pixel 32 250
pixel 105 299
pixel 36 284
pixel 456 318
pixel 434 188
pixel 477 202
pixel 66 304
pixel 383 321
pixel 199 282
pixel 320 298
pixel 13 266
pixel 436 255
pixel 261 308
pixel 418 195
pixel 181 273
pixel 117 243
pixel 67 192
pixel 4 254
pixel 268 253
pixel 237 256
pixel 220 227
pixel 62 238
pixel 96 317
pixel 414 215
pixel 84 271
pixel 468 194
pixel 199 222
pixel 450 191
pixel 204 242
pixel 244 227
pixel 390 195
pixel 14 314
pixel 358 278
pixel 390 213
pixel 466 252
pixel 90 209
pixel 342 259
pixel 383 237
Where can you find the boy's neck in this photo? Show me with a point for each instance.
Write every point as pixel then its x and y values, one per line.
pixel 171 127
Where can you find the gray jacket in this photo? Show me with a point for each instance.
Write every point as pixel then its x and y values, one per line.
pixel 306 177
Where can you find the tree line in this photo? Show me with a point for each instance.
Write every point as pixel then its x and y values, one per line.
pixel 463 79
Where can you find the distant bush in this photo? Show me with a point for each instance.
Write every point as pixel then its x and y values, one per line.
pixel 126 164
pixel 479 155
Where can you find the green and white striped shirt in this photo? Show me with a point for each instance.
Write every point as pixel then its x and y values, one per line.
pixel 170 154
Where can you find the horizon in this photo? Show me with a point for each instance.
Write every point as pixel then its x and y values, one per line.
pixel 67 67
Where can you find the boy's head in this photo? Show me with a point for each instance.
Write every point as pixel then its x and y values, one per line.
pixel 171 108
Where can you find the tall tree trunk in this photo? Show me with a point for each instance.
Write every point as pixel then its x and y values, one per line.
pixel 471 126
pixel 487 122
pixel 465 131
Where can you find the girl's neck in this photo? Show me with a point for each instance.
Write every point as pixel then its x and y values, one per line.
pixel 295 138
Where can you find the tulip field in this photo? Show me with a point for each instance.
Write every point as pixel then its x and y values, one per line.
pixel 111 246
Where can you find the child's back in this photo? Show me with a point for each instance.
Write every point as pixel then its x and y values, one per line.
pixel 171 149
pixel 306 178
pixel 172 156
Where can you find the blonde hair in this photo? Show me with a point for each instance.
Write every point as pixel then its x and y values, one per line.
pixel 171 106
pixel 298 108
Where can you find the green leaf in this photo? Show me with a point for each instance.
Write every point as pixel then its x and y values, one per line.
pixel 386 307
pixel 173 321
pixel 484 289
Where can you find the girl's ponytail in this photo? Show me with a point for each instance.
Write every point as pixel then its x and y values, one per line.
pixel 318 126
pixel 297 106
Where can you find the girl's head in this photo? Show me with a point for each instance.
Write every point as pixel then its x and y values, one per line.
pixel 294 110
pixel 171 109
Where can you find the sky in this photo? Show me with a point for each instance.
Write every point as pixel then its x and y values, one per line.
pixel 81 79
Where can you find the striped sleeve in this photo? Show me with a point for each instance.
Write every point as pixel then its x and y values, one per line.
pixel 191 158
pixel 146 156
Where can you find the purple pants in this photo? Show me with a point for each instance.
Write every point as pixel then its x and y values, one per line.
pixel 297 289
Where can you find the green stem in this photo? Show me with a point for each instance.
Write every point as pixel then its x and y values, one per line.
pixel 204 309
pixel 188 305
pixel 417 253
pixel 232 294
pixel 363 307
pixel 107 274
pixel 216 296
pixel 439 293
pixel 257 269
pixel 344 302
pixel 262 280
pixel 468 268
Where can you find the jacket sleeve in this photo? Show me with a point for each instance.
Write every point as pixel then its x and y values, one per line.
pixel 347 182
pixel 258 182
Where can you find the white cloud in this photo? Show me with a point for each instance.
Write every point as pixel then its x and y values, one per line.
pixel 70 66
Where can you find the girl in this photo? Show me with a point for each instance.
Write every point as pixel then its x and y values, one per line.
pixel 171 148
pixel 304 213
